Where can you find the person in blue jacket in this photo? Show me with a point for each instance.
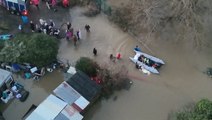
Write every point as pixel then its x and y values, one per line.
pixel 137 48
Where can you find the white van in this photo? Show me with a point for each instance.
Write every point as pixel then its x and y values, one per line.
pixel 5 79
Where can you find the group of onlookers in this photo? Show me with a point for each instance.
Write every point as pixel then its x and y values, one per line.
pixel 45 27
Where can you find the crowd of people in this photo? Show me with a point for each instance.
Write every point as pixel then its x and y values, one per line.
pixel 48 27
pixel 45 27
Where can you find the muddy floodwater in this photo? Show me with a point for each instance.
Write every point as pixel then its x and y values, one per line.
pixel 151 97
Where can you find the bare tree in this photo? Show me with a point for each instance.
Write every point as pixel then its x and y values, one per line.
pixel 113 78
pixel 183 18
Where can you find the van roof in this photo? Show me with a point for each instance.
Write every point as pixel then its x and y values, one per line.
pixel 4 75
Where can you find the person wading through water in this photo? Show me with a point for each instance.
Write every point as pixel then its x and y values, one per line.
pixel 118 56
pixel 87 28
pixel 78 34
pixel 94 51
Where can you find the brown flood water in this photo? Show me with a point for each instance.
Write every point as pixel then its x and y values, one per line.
pixel 151 97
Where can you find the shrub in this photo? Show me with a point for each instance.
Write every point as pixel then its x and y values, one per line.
pixel 202 110
pixel 87 66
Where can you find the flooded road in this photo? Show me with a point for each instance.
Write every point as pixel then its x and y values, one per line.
pixel 152 97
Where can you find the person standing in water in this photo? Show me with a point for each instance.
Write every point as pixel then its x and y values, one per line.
pixel 94 51
pixel 87 28
pixel 78 34
pixel 118 56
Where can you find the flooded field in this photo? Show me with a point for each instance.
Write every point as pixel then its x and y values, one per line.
pixel 152 97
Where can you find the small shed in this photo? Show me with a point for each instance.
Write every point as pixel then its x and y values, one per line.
pixel 84 86
pixel 66 93
pixel 71 96
pixel 53 108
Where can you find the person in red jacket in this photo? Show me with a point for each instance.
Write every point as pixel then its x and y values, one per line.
pixel 65 3
pixel 118 56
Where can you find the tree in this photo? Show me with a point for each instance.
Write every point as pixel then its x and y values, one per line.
pixel 87 66
pixel 37 49
pixel 168 19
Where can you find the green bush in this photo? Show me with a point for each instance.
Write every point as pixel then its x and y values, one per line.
pixel 37 49
pixel 202 110
pixel 87 66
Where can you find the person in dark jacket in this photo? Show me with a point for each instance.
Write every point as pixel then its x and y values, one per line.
pixel 32 26
pixel 94 51
pixel 87 28
pixel 68 25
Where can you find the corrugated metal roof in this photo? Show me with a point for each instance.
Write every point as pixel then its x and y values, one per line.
pixel 61 116
pixel 81 102
pixel 48 109
pixel 84 85
pixel 69 113
pixel 66 93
